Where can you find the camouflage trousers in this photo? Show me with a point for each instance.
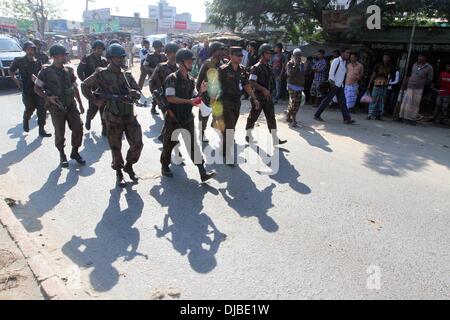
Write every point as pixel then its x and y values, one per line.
pixel 295 99
pixel 92 112
pixel 34 103
pixel 116 127
pixel 73 120
pixel 143 77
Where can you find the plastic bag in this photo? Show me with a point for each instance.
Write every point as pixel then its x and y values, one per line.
pixel 367 98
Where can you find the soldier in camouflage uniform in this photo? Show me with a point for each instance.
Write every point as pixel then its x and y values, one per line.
pixel 87 67
pixel 117 92
pixel 151 62
pixel 180 93
pixel 29 66
pixel 57 85
pixel 208 73
pixel 162 71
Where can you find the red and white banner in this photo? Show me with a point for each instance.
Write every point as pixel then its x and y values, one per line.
pixel 180 25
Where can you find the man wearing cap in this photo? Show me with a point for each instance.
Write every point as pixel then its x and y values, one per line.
pixel 151 62
pixel 116 92
pixel 296 73
pixel 180 93
pixel 261 77
pixel 57 85
pixel 233 80
pixel 29 67
pixel 209 74
pixel 86 68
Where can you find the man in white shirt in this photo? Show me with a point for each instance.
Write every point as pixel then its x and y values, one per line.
pixel 338 72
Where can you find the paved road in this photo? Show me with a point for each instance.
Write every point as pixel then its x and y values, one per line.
pixel 346 199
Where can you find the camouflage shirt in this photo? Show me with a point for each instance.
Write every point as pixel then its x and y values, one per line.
pixel 152 60
pixel 108 81
pixel 27 67
pixel 162 71
pixel 89 64
pixel 43 58
pixel 56 81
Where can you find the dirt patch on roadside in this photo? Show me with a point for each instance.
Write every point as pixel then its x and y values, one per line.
pixel 7 258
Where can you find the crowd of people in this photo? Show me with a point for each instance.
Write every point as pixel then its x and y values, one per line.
pixel 225 76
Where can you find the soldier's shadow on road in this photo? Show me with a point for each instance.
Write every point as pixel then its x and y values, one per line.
pixel 48 196
pixel 155 130
pixel 314 138
pixel 286 172
pixel 116 238
pixel 245 198
pixel 22 150
pixel 94 148
pixel 18 133
pixel 191 231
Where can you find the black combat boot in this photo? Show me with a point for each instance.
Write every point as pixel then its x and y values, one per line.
pixel 120 180
pixel 63 159
pixel 76 156
pixel 43 133
pixel 249 137
pixel 205 175
pixel 154 111
pixel 26 126
pixel 166 172
pixel 277 141
pixel 129 169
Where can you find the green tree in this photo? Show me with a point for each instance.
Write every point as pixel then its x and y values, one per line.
pixel 304 17
pixel 40 11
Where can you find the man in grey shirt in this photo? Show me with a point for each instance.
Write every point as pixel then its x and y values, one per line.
pixel 421 75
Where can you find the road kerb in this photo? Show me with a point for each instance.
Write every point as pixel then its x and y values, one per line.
pixel 50 284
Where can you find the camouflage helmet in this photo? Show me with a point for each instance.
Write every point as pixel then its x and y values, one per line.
pixel 114 41
pixel 184 54
pixel 157 44
pixel 265 48
pixel 98 44
pixel 57 49
pixel 115 50
pixel 171 48
pixel 215 46
pixel 28 44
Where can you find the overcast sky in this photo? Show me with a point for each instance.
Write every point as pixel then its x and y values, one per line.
pixel 75 8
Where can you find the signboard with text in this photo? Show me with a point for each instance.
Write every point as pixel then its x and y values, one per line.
pixel 110 25
pixel 166 24
pixel 100 14
pixel 180 25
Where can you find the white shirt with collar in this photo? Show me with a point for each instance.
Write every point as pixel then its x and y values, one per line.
pixel 338 77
